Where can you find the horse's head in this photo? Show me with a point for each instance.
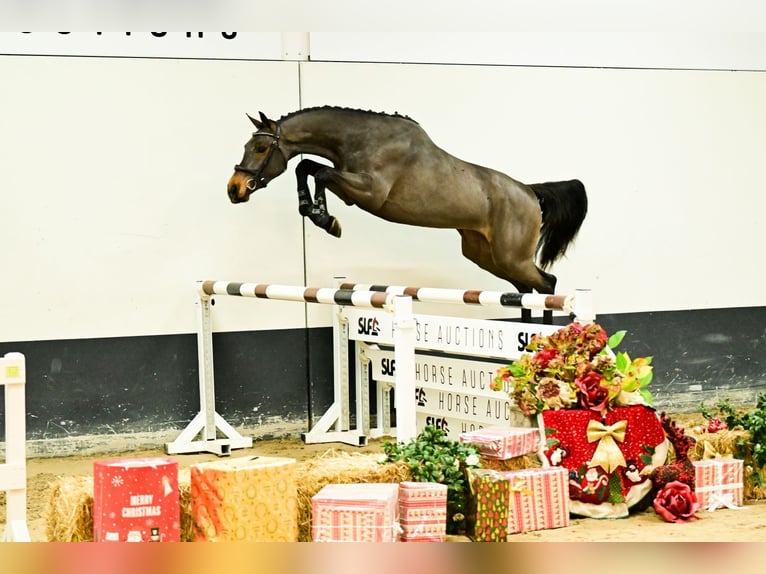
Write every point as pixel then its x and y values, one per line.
pixel 262 162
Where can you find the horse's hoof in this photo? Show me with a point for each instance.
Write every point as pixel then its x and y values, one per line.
pixel 334 227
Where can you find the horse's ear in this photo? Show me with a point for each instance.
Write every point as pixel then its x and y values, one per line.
pixel 258 125
pixel 270 124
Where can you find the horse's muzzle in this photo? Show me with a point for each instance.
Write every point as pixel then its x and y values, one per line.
pixel 239 188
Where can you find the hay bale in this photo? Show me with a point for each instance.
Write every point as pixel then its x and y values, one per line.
pixel 340 467
pixel 69 511
pixel 516 463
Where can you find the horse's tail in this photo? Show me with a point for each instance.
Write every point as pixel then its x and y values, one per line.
pixel 564 205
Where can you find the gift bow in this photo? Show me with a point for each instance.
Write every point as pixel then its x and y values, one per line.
pixel 520 485
pixel 719 500
pixel 608 455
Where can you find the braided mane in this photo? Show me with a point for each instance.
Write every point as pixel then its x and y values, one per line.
pixel 346 110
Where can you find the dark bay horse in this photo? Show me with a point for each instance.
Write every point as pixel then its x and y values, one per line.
pixel 388 166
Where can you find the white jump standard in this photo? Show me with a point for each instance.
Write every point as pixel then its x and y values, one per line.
pixel 387 310
pixel 13 474
pixel 203 432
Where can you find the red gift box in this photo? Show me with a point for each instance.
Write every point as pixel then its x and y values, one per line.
pixel 136 500
pixel 366 512
pixel 508 502
pixel 501 442
pixel 718 482
pixel 423 511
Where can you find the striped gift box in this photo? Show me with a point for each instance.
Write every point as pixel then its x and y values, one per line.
pixel 502 443
pixel 423 511
pixel 355 513
pixel 718 482
pixel 508 502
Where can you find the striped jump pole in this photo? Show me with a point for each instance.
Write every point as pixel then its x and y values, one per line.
pixel 579 304
pixel 203 432
pixel 325 295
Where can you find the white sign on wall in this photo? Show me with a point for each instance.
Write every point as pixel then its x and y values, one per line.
pixel 224 45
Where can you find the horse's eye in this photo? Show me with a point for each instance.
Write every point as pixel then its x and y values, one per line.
pixel 261 148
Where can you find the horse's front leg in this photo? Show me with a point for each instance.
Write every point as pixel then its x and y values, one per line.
pixel 315 209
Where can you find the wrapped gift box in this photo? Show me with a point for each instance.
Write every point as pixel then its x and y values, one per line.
pixel 605 482
pixel 136 500
pixel 507 502
pixel 247 499
pixel 423 511
pixel 501 442
pixel 718 482
pixel 366 512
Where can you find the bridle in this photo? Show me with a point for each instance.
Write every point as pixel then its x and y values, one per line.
pixel 257 173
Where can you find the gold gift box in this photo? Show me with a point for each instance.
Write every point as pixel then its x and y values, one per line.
pixel 247 499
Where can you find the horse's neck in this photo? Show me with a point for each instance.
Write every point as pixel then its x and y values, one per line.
pixel 315 133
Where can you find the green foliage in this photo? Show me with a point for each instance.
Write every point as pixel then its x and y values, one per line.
pixel 616 339
pixel 432 457
pixel 753 421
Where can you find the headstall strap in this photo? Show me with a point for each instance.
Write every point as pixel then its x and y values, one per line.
pixel 256 173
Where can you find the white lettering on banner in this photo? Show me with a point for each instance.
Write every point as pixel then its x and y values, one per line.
pixel 224 45
pixel 479 337
pixel 440 372
pixel 485 410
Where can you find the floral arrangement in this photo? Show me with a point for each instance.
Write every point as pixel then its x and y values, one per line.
pixel 576 368
pixel 433 457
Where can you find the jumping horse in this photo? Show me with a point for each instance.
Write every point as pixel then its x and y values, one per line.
pixel 387 165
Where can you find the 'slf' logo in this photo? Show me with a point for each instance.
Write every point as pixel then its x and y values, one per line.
pixel 368 326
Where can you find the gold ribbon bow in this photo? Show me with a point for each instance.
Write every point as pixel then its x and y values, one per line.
pixel 710 453
pixel 520 485
pixel 608 455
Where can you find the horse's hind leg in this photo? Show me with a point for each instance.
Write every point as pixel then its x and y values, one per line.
pixel 315 209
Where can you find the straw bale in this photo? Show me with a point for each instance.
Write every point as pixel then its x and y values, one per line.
pixel 516 463
pixel 69 511
pixel 340 467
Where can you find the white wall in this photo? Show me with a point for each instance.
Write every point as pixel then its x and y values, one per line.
pixel 671 161
pixel 113 195
pixel 112 187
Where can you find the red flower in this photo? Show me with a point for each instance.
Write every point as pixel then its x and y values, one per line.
pixel 592 395
pixel 676 502
pixel 542 358
pixel 595 338
pixel 716 424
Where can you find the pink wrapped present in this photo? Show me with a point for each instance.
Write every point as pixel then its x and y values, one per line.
pixel 423 511
pixel 507 502
pixel 355 513
pixel 501 442
pixel 718 482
